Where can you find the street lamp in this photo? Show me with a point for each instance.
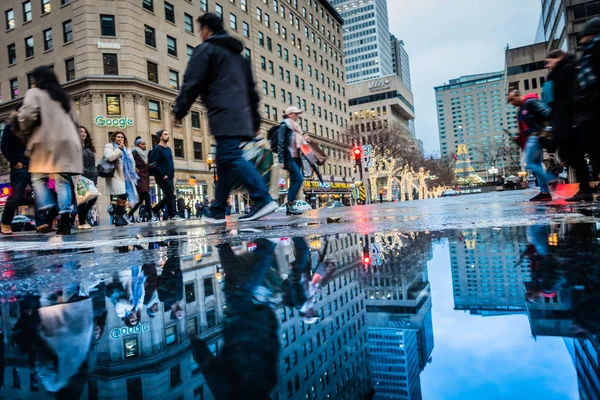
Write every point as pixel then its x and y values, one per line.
pixel 212 165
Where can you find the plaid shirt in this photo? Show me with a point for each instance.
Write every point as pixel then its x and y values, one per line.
pixel 586 75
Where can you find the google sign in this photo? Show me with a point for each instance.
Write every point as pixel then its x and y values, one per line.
pixel 122 123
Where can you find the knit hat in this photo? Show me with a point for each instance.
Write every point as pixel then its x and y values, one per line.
pixel 591 28
pixel 138 140
pixel 159 133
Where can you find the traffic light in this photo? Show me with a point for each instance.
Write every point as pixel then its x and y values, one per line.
pixel 357 155
pixel 366 256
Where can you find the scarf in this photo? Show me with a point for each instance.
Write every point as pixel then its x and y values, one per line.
pixel 586 75
pixel 298 138
pixel 131 177
pixel 142 153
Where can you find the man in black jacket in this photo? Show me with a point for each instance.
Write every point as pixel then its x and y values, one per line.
pixel 587 94
pixel 13 150
pixel 161 164
pixel 222 77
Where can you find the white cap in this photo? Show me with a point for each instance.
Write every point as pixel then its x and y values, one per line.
pixel 292 110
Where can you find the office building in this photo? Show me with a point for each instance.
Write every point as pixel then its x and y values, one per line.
pixel 525 69
pixel 400 61
pixel 584 353
pixel 488 271
pixel 474 106
pixel 123 63
pixel 366 38
pixel 561 22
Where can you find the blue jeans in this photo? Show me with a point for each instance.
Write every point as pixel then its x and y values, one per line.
pixel 44 198
pixel 294 167
pixel 230 162
pixel 533 159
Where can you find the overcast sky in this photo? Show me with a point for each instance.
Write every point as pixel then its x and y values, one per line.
pixel 446 39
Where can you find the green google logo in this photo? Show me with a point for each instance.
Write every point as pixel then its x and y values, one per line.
pixel 122 123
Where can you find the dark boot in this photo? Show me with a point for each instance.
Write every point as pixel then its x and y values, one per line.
pixel 581 195
pixel 119 219
pixel 46 220
pixel 64 224
pixel 290 211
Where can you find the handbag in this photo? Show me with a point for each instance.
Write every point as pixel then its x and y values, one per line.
pixel 105 168
pixel 313 154
pixel 85 190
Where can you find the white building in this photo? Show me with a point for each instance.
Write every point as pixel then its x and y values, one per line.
pixel 366 38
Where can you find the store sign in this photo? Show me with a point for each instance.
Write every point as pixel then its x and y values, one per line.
pixel 122 122
pixel 380 84
pixel 129 330
pixel 327 185
pixel 113 46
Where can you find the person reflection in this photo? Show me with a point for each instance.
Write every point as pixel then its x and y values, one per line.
pixel 170 287
pixel 246 368
pixel 126 293
pixel 151 299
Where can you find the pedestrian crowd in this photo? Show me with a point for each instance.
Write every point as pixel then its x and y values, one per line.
pixel 567 117
pixel 51 152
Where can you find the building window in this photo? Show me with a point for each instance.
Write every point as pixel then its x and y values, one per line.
pixel 208 287
pixel 258 14
pixel 263 63
pixel 244 5
pixel 10 19
pixel 113 104
pixel 29 51
pixel 267 20
pixel 134 389
pixel 211 318
pixel 29 81
pixel 107 25
pixel 190 292
pixel 195 119
pixel 204 5
pixel 179 151
pixel 261 39
pixel 192 326
pixel 150 34
pixel 175 375
pixel 169 12
pixel 48 45
pixel 271 68
pixel 189 50
pixel 152 71
pixel 173 79
pixel 67 32
pixel 14 88
pixel 153 109
pixel 46 7
pixel 26 11
pixel 131 348
pixel 70 68
pixel 171 335
pixel 64 2
pixel 111 64
pixel 233 21
pixel 198 151
pixel 267 111
pixel 246 29
pixel 148 5
pixel 172 46
pixel 12 54
pixel 247 54
pixel 219 10
pixel 188 23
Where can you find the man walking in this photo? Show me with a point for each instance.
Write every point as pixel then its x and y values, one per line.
pixel 221 76
pixel 13 150
pixel 140 156
pixel 587 101
pixel 163 168
pixel 532 116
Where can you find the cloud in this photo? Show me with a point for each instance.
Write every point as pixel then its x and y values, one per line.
pixel 447 39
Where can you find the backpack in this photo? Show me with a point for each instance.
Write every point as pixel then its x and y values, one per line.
pixel 273 137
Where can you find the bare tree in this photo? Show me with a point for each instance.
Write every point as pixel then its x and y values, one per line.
pixel 388 141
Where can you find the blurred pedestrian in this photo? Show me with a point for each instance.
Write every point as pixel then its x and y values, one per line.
pixel 140 156
pixel 181 207
pixel 532 116
pixel 53 145
pixel 198 208
pixel 123 183
pixel 222 77
pixel 163 168
pixel 89 172
pixel 13 150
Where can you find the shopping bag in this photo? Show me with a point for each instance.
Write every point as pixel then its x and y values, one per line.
pixel 313 154
pixel 85 190
pixel 259 154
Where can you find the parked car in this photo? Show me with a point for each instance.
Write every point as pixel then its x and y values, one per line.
pixel 334 204
pixel 450 193
pixel 22 223
pixel 299 205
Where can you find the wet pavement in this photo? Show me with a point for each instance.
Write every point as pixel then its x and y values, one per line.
pixel 482 296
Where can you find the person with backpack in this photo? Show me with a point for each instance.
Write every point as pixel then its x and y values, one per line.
pixel 222 77
pixel 532 116
pixel 140 156
pixel 161 163
pixel 290 139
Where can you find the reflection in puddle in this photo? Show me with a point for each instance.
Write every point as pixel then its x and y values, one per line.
pixel 346 316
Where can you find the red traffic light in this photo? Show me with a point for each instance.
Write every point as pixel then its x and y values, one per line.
pixel 357 153
pixel 366 259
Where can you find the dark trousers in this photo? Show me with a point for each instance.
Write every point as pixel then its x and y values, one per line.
pixel 294 167
pixel 168 189
pixel 230 163
pixel 83 210
pixel 144 199
pixel 19 179
pixel 590 144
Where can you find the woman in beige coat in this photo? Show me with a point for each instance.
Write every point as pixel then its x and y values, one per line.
pixel 53 146
pixel 122 184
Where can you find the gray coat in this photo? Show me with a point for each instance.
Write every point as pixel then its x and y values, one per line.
pixel 53 145
pixel 116 184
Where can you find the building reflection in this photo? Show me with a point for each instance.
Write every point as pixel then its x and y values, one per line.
pixel 398 304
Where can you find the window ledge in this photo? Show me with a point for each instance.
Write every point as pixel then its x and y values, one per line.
pixel 67 43
pixel 171 23
pixel 9 30
pixel 148 11
pixel 27 22
pixel 172 56
pixel 29 58
pixel 48 51
pixel 191 33
pixel 150 47
pixel 12 65
pixel 108 37
pixel 44 14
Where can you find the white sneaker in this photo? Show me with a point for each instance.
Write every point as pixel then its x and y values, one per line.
pixel 128 218
pixel 85 226
pixel 177 218
pixel 153 220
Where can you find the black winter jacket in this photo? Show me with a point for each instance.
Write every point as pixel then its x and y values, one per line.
pixel 563 80
pixel 13 148
pixel 89 165
pixel 222 77
pixel 284 135
pixel 587 102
